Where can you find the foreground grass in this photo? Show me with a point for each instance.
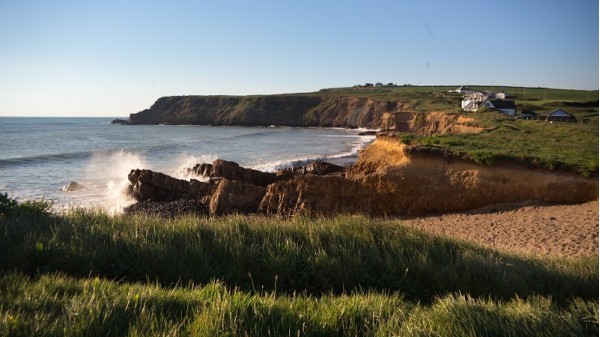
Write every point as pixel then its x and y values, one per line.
pixel 89 274
pixel 300 255
pixel 55 305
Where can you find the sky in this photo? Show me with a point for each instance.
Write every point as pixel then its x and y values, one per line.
pixel 113 58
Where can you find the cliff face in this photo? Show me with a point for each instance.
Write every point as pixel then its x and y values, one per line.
pixel 390 180
pixel 285 110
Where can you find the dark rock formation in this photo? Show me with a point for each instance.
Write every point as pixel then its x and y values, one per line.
pixel 73 186
pixel 120 122
pixel 233 171
pixel 318 167
pixel 231 189
pixel 147 185
pixel 284 110
pixel 234 196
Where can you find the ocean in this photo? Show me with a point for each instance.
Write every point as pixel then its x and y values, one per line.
pixel 39 156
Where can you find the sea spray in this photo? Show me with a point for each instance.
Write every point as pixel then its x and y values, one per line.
pixel 107 178
pixel 183 164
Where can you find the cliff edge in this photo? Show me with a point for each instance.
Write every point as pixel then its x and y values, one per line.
pixel 283 110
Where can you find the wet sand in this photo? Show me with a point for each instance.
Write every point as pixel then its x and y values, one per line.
pixel 532 228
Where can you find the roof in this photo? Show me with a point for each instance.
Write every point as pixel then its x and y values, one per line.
pixel 560 113
pixel 503 104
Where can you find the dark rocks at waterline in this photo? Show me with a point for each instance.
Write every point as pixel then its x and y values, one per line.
pixel 121 122
pixel 72 187
pixel 318 167
pixel 231 188
pixel 223 169
pixel 170 209
pixel 147 185
pixel 234 196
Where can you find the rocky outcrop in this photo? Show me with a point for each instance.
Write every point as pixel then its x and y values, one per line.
pixel 284 110
pixel 148 185
pixel 234 196
pixel 389 179
pixel 318 167
pixel 233 171
pixel 73 186
pixel 230 188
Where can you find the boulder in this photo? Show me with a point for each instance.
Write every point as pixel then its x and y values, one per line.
pixel 233 171
pixel 203 170
pixel 147 185
pixel 235 196
pixel 73 186
pixel 313 194
pixel 318 167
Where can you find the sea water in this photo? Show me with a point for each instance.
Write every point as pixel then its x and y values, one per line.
pixel 39 156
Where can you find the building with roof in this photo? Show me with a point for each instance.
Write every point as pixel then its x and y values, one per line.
pixel 558 115
pixel 479 102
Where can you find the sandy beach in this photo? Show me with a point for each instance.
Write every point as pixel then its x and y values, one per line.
pixel 528 227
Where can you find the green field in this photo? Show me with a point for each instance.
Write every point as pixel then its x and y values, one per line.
pixel 555 146
pixel 429 98
pixel 85 273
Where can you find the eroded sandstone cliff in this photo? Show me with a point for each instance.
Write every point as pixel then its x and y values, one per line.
pixel 391 180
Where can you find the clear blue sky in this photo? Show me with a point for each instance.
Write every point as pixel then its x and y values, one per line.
pixel 113 58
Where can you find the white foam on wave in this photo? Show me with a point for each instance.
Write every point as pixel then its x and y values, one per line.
pixel 357 144
pixel 185 161
pixel 106 180
pixel 283 164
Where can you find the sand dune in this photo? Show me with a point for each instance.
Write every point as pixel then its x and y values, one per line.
pixel 528 227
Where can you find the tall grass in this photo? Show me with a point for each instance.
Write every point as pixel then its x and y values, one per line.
pixel 89 274
pixel 336 255
pixel 55 305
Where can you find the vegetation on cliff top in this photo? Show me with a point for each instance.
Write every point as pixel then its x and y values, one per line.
pixel 85 273
pixel 567 146
pixel 556 146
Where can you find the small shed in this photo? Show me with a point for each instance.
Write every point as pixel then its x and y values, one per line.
pixel 559 115
pixel 528 114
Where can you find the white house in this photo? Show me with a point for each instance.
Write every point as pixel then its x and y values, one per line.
pixel 501 95
pixel 474 101
pixel 506 106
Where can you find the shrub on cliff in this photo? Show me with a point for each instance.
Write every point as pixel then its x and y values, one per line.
pixel 481 157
